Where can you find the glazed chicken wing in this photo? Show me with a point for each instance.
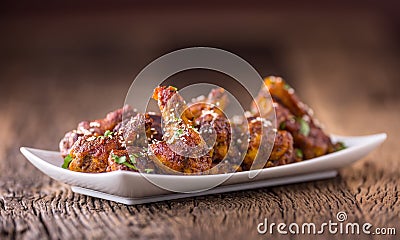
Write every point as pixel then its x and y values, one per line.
pixel 261 142
pixel 183 149
pixel 91 153
pixel 296 117
pixel 212 122
pixel 119 150
pixel 199 138
pixel 94 128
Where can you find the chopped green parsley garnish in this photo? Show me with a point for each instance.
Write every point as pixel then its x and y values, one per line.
pixel 108 133
pixel 67 161
pixel 282 126
pixel 304 127
pixel 131 166
pixel 299 153
pixel 148 170
pixel 341 146
pixel 133 158
pixel 118 159
pixel 122 160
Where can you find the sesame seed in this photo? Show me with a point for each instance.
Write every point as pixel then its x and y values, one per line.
pixel 91 138
pixel 94 124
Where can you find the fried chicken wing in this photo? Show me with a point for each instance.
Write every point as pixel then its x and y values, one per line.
pixel 281 148
pixel 137 132
pixel 215 129
pixel 94 128
pixel 308 138
pixel 183 149
pixel 91 153
pixel 281 92
pixel 199 138
pixel 212 123
pixel 296 117
pixel 283 152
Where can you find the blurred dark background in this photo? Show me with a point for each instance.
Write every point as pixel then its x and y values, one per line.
pixel 77 59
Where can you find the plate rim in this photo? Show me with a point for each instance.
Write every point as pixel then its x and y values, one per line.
pixel 379 138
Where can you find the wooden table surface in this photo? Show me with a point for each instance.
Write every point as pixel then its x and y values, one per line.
pixel 352 86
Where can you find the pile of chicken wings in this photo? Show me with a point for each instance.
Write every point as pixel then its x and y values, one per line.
pixel 198 138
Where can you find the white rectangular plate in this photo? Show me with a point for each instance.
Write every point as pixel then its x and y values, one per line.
pixel 136 188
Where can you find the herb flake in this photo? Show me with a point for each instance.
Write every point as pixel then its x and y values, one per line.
pixel 118 159
pixel 133 158
pixel 299 153
pixel 67 161
pixel 122 160
pixel 108 133
pixel 340 146
pixel 304 127
pixel 130 166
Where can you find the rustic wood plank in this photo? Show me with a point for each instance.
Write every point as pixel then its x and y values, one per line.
pixel 34 206
pixel 38 107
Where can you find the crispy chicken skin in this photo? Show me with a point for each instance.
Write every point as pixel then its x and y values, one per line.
pixel 209 116
pixel 219 125
pixel 163 154
pixel 100 153
pixel 178 119
pixel 282 151
pixel 135 142
pixel 91 153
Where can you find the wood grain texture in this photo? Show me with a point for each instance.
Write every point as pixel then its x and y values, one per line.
pixel 38 106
